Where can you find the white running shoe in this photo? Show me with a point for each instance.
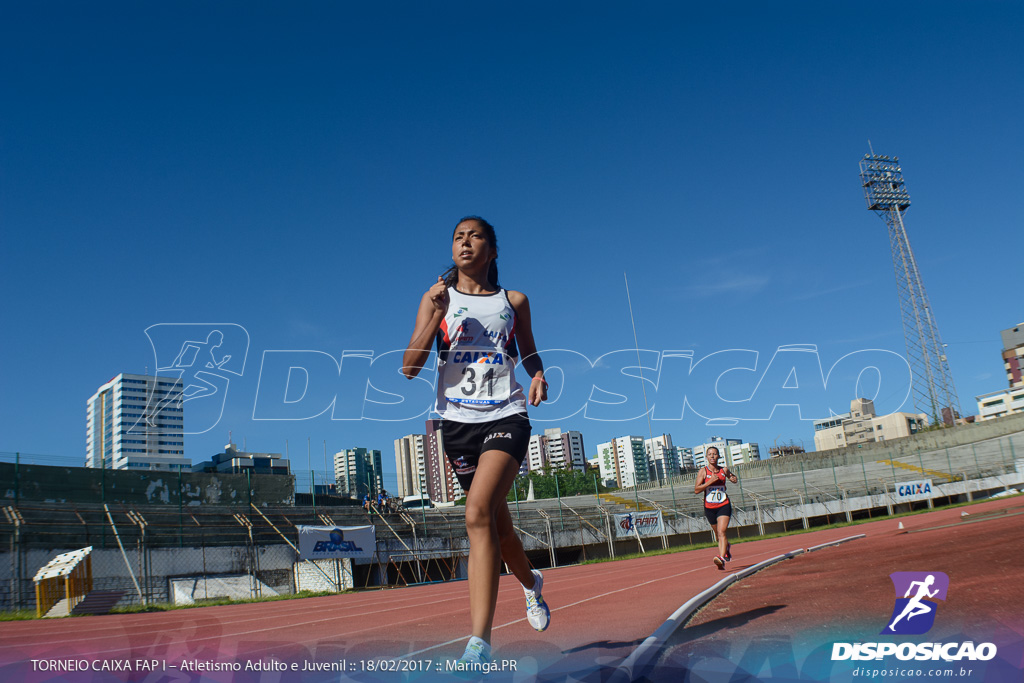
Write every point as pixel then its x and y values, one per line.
pixel 478 652
pixel 537 612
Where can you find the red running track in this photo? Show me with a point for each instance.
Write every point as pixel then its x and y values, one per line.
pixel 600 613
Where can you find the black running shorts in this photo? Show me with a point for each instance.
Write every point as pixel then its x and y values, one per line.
pixel 714 513
pixel 464 442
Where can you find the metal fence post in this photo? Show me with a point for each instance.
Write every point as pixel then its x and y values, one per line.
pixel 771 478
pixel 977 467
pixel 558 495
pixel 103 501
pixel 803 475
pixel 835 479
pixel 181 513
pixel 515 491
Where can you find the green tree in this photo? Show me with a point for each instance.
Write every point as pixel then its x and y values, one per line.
pixel 570 483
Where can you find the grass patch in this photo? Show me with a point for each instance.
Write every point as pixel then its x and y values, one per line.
pixel 795 532
pixel 18 615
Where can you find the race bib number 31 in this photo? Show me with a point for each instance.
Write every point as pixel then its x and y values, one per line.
pixel 478 377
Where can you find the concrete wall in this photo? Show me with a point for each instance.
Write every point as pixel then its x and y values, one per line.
pixel 152 570
pixel 936 440
pixel 46 483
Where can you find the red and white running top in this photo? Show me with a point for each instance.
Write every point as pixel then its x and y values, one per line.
pixel 715 495
pixel 477 355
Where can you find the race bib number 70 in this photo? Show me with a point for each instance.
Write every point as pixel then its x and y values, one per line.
pixel 715 494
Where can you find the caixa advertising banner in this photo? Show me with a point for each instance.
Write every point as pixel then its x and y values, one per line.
pixel 632 524
pixel 336 542
pixel 920 489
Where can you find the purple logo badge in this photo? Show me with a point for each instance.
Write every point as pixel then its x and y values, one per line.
pixel 917 594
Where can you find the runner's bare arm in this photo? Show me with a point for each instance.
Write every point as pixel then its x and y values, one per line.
pixel 433 306
pixel 538 389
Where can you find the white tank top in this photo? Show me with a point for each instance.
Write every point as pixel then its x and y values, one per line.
pixel 477 355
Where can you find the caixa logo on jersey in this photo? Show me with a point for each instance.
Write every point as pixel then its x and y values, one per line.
pixel 204 357
pixel 917 596
pixel 337 543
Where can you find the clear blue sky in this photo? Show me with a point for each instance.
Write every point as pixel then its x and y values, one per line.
pixel 298 171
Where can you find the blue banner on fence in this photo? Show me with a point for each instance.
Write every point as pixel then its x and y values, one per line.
pixel 332 542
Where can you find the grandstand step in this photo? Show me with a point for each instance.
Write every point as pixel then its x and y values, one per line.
pixel 58 610
pixel 98 602
pixel 619 500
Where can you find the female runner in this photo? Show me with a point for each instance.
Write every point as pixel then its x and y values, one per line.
pixel 717 508
pixel 477 327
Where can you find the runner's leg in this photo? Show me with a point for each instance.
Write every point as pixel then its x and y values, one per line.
pixel 722 526
pixel 511 547
pixel 492 480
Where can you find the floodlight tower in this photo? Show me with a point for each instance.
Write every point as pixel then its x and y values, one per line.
pixel 934 393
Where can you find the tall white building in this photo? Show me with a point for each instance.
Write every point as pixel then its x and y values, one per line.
pixel 730 452
pixel 662 456
pixel 566 450
pixel 624 461
pixel 536 455
pixel 685 458
pixel 441 482
pixel 136 422
pixel 358 471
pixel 410 462
pixel 556 449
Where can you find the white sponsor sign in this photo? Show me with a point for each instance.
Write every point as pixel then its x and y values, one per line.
pixel 920 489
pixel 631 524
pixel 332 542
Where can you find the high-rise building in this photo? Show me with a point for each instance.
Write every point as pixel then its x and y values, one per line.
pixel 723 445
pixel 136 422
pixel 358 471
pixel 234 461
pixel 662 456
pixel 536 454
pixel 555 449
pixel 566 450
pixel 410 462
pixel 624 461
pixel 731 452
pixel 1007 401
pixel 686 461
pixel 1013 355
pixel 442 485
pixel 862 425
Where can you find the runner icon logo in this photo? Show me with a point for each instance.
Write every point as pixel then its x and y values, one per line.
pixel 916 601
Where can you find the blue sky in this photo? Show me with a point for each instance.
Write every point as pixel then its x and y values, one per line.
pixel 298 170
